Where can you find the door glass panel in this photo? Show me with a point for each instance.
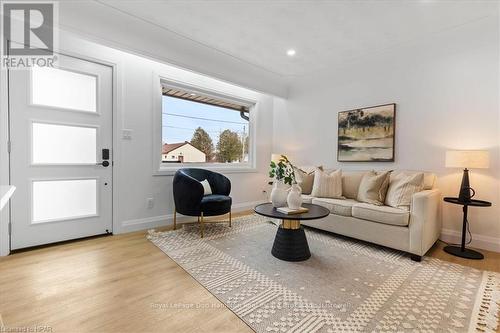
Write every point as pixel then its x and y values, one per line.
pixel 63 144
pixel 63 89
pixel 64 199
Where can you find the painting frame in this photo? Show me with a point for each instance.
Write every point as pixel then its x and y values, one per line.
pixel 341 146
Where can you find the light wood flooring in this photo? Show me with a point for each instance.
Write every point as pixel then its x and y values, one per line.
pixel 121 283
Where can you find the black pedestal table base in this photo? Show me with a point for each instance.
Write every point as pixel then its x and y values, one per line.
pixel 291 245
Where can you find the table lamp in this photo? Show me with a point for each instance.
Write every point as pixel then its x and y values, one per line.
pixel 474 159
pixel 275 157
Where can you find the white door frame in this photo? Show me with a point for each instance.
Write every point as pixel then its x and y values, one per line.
pixel 4 161
pixel 5 216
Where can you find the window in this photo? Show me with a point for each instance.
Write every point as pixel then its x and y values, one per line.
pixel 199 128
pixel 56 200
pixel 64 89
pixel 63 144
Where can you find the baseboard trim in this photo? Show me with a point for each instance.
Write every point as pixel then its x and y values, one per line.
pixel 166 220
pixel 478 241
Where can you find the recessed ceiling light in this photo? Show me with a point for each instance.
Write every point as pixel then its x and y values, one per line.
pixel 192 94
pixel 290 52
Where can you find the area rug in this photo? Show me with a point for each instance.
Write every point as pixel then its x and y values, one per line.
pixel 346 285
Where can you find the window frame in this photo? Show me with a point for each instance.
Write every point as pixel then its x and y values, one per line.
pixel 159 168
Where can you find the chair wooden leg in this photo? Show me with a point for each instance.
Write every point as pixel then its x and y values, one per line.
pixel 229 219
pixel 201 225
pixel 175 218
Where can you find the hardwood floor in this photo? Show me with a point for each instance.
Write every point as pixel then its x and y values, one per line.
pixel 491 261
pixel 120 283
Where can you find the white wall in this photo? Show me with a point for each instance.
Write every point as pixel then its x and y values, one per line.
pixel 133 177
pixel 446 89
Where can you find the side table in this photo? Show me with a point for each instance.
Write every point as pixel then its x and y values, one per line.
pixel 462 251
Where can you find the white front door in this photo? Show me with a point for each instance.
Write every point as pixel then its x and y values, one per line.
pixel 60 161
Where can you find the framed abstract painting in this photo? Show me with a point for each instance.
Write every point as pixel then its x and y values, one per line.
pixel 367 134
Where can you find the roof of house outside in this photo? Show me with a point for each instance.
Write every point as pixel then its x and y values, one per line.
pixel 195 97
pixel 168 147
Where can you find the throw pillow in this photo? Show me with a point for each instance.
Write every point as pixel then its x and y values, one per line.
pixel 206 187
pixel 327 185
pixel 402 188
pixel 350 183
pixel 305 179
pixel 373 187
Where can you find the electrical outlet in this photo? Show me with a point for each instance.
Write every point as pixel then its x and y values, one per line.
pixel 151 203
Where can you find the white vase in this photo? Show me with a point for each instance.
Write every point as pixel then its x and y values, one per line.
pixel 279 194
pixel 294 198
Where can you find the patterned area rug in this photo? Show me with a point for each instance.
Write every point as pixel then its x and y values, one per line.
pixel 346 285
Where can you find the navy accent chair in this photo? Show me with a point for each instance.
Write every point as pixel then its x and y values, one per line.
pixel 189 199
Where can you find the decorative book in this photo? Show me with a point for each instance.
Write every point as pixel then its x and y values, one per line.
pixel 290 211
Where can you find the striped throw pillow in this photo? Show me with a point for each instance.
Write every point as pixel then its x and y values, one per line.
pixel 402 188
pixel 327 185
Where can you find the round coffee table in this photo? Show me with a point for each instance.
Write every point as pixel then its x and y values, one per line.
pixel 290 243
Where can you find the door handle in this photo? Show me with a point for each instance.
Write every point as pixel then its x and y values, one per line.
pixel 103 163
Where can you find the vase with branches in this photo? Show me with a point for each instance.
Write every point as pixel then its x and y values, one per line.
pixel 282 172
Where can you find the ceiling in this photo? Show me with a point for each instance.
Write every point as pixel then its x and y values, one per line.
pixel 323 33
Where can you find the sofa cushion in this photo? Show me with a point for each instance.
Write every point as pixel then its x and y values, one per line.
pixel 307 198
pixel 215 204
pixel 350 183
pixel 381 214
pixel 336 206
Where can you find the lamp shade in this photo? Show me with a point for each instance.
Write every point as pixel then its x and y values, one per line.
pixel 275 157
pixel 473 159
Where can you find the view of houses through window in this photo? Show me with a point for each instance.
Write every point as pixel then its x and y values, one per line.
pixel 194 132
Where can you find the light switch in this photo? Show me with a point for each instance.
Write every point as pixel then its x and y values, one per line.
pixel 127 134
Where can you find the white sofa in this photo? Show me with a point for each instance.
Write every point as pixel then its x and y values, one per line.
pixel 413 231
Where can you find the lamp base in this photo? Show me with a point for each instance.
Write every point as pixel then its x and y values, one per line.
pixel 465 189
pixel 466 253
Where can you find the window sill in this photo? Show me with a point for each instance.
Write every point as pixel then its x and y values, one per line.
pixel 170 171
